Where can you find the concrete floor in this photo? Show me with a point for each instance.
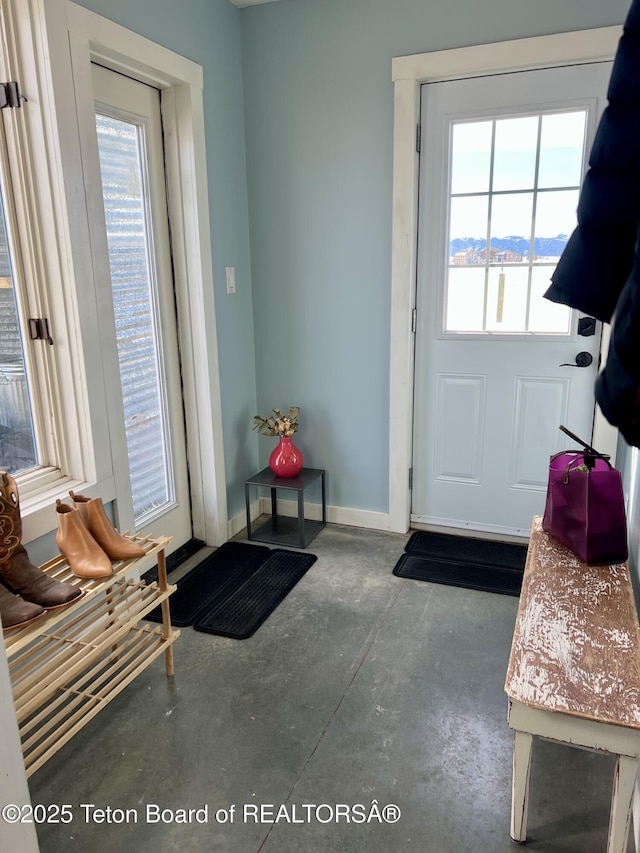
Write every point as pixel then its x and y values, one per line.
pixel 361 687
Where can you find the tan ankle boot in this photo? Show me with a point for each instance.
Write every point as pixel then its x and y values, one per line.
pixel 85 557
pixel 17 572
pixel 15 612
pixel 115 546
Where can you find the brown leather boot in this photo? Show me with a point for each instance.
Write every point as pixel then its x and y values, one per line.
pixel 85 557
pixel 115 546
pixel 17 572
pixel 21 577
pixel 16 613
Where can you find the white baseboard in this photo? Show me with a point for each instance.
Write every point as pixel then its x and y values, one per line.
pixel 238 522
pixel 335 515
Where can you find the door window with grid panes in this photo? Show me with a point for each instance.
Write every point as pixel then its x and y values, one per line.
pixel 512 206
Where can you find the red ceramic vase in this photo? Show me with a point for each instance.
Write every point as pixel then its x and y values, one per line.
pixel 286 460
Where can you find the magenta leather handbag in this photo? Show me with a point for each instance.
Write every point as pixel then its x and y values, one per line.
pixel 585 505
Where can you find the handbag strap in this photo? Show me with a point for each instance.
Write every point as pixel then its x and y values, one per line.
pixel 580 458
pixel 579 440
pixel 583 454
pixel 590 454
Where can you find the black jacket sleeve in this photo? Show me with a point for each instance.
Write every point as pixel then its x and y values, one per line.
pixel 618 386
pixel 598 259
pixel 599 271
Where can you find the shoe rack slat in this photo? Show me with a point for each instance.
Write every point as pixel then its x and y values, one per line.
pixel 70 663
pixel 58 734
pixel 61 705
pixel 69 649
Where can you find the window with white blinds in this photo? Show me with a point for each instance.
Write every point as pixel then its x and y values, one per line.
pixel 135 303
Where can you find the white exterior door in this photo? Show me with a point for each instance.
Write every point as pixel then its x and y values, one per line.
pixel 495 374
pixel 148 431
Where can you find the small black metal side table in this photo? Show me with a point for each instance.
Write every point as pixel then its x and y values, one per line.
pixel 281 529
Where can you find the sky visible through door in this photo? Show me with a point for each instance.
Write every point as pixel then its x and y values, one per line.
pixel 514 185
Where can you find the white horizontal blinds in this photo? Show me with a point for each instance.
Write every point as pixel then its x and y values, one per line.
pixel 18 449
pixel 134 286
pixel 514 184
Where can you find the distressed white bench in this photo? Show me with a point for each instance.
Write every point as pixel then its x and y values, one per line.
pixel 574 673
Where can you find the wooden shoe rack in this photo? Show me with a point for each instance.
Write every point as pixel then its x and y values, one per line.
pixel 68 664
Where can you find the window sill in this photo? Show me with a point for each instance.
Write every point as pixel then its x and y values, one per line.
pixel 38 510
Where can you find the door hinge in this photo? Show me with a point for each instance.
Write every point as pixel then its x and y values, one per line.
pixel 414 320
pixel 10 95
pixel 39 330
pixel 410 478
pixel 418 137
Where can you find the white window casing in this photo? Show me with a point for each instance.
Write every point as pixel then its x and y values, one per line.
pixel 48 45
pixel 95 39
pixel 71 414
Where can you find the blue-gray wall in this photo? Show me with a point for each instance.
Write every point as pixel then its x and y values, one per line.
pixel 208 32
pixel 319 122
pixel 318 116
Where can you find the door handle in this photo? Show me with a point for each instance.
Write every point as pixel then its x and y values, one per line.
pixel 583 359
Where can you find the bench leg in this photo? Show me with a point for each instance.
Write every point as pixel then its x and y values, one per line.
pixel 522 743
pixel 624 783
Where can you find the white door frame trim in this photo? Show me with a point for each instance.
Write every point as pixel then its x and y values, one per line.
pixel 94 38
pixel 408 74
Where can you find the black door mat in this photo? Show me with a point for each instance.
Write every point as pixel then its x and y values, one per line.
pixel 242 612
pixel 463 562
pixel 443 546
pixel 175 559
pixel 467 575
pixel 216 577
